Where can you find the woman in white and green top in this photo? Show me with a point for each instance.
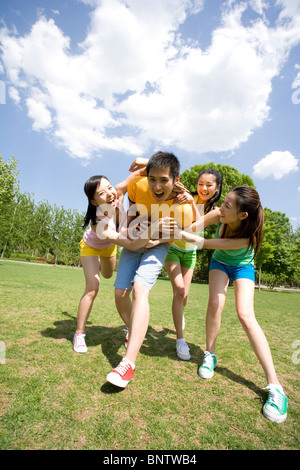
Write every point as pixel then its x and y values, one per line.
pixel 181 258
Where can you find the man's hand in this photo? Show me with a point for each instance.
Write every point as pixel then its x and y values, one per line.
pixel 138 228
pixel 163 228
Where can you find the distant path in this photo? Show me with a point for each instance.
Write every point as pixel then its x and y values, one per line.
pixel 38 264
pixel 293 289
pixel 26 262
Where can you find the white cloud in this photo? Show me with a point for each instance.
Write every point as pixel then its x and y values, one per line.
pixel 277 164
pixel 259 6
pixel 137 81
pixel 14 95
pixel 38 112
pixel 296 84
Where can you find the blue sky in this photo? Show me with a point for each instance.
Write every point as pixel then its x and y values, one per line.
pixel 86 86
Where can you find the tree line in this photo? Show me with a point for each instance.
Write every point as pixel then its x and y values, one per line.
pixel 40 231
pixel 35 231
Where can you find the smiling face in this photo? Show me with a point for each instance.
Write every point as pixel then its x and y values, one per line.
pixel 161 184
pixel 105 194
pixel 206 187
pixel 230 213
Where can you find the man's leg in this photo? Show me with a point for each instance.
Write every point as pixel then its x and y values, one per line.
pixel 139 320
pixel 128 264
pixel 146 275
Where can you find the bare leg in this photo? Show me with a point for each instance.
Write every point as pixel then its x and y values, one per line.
pixel 218 283
pixel 91 266
pixel 107 266
pixel 244 294
pixel 180 278
pixel 139 320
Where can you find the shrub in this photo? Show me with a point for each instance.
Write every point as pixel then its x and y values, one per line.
pixel 20 256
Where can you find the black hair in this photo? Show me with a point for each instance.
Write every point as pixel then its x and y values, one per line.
pixel 164 160
pixel 89 189
pixel 219 181
pixel 247 200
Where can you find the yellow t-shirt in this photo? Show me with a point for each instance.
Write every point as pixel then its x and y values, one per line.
pixel 140 195
pixel 182 245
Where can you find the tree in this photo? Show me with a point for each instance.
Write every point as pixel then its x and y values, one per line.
pixel 231 177
pixel 295 280
pixel 267 249
pixel 21 238
pixel 9 189
pixel 281 263
pixel 31 229
pixel 42 222
pixel 9 184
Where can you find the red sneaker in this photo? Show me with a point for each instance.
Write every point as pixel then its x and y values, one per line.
pixel 121 375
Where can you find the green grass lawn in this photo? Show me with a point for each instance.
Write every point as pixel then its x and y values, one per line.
pixel 53 398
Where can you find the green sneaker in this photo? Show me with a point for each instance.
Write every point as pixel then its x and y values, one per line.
pixel 206 370
pixel 275 408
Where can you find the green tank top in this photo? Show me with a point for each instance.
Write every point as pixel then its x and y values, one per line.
pixel 239 257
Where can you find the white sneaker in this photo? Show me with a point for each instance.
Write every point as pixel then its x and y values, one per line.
pixel 275 408
pixel 206 370
pixel 182 350
pixel 79 345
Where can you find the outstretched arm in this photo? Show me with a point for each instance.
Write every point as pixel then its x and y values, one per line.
pixel 203 221
pixel 134 239
pixel 200 221
pixel 214 243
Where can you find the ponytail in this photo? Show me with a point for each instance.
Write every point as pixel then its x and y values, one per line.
pixel 247 200
pixel 90 215
pixel 89 189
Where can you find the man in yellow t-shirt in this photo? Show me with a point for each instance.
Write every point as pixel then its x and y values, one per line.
pixel 152 197
pixel 147 203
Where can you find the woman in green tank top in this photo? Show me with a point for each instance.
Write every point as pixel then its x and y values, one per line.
pixel 181 258
pixel 238 240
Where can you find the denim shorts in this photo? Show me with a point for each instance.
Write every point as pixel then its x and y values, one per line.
pixel 234 272
pixel 140 266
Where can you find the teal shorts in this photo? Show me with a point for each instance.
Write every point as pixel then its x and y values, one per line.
pixel 186 259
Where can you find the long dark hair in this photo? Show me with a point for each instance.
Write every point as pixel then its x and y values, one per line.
pixel 89 189
pixel 247 200
pixel 219 181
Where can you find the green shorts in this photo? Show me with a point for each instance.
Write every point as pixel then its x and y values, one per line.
pixel 187 259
